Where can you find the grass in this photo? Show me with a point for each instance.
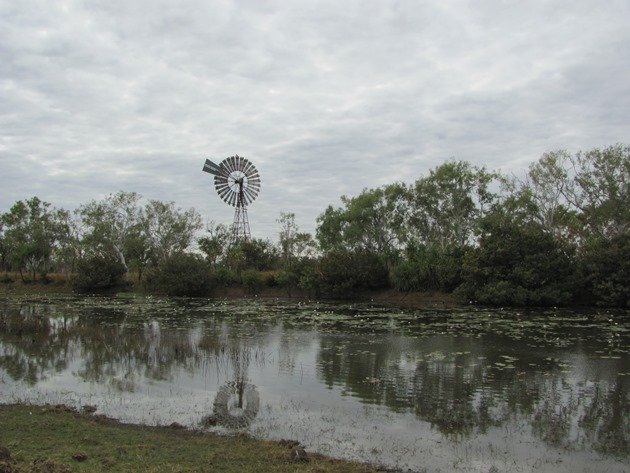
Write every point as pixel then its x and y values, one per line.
pixel 57 439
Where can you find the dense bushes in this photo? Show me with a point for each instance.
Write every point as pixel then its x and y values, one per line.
pixel 344 273
pixel 98 273
pixel 181 275
pixel 519 265
pixel 605 272
pixel 429 269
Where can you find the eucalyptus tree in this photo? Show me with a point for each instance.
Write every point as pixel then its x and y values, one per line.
pixel 373 221
pixel 113 226
pixel 167 229
pixel 581 196
pixel 214 244
pixel 31 231
pixel 445 206
pixel 294 244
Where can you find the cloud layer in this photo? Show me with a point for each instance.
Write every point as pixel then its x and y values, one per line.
pixel 326 98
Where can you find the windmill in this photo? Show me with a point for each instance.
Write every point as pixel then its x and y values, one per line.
pixel 237 182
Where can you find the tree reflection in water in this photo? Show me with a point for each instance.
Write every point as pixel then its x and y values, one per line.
pixel 461 386
pixel 466 392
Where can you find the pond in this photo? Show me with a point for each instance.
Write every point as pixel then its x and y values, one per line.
pixel 431 390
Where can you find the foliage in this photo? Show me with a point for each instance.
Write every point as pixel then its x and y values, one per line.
pixel 97 273
pixel 256 254
pixel 215 244
pixel 560 231
pixel 225 277
pixel 586 194
pixel 31 231
pixel 181 274
pixel 445 206
pixel 518 264
pixel 167 229
pixel 113 225
pixel 294 245
pixel 344 273
pixel 252 280
pixel 605 270
pixel 288 280
pixel 371 222
pixel 429 268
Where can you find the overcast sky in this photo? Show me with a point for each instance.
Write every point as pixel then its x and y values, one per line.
pixel 325 98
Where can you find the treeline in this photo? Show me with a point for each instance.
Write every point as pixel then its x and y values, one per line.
pixel 557 236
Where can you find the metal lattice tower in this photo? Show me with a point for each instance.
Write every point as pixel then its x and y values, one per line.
pixel 237 182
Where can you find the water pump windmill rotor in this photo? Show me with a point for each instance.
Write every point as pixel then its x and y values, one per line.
pixel 237 182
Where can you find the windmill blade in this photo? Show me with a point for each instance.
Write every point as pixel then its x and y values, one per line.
pixel 249 196
pixel 247 192
pixel 228 197
pixel 224 193
pixel 254 195
pixel 221 183
pixel 248 168
pixel 250 171
pixel 223 166
pixel 222 179
pixel 239 163
pixel 221 190
pixel 243 164
pixel 234 164
pixel 227 165
pixel 253 188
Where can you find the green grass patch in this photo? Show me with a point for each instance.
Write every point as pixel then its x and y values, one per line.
pixel 57 439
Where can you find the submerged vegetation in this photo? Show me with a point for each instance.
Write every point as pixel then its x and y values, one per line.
pixel 559 236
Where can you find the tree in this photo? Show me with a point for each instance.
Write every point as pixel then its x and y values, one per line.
pixel 372 222
pixel 215 244
pixel 518 263
pixel 31 231
pixel 167 229
pixel 605 271
pixel 181 274
pixel 581 196
pixel 112 224
pixel 444 207
pixel 545 186
pixel 342 273
pixel 293 244
pixel 601 190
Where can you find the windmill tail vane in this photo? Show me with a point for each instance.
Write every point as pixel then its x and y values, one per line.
pixel 237 182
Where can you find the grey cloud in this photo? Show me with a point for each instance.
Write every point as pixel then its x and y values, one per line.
pixel 324 98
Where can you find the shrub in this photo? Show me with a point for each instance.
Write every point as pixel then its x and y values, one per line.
pixel 98 273
pixel 519 265
pixel 225 277
pixel 270 278
pixel 251 280
pixel 605 269
pixel 343 273
pixel 182 274
pixel 288 280
pixel 429 269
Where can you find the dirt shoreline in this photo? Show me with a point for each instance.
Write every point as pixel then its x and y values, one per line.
pixel 386 297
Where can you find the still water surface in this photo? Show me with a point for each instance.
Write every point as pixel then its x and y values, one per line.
pixel 426 390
